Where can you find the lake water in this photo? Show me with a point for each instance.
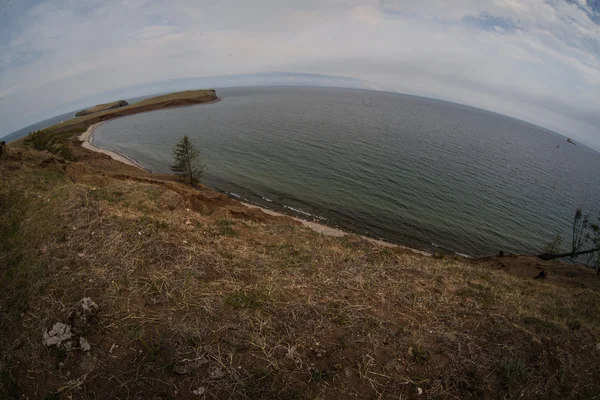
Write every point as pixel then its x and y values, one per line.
pixel 411 170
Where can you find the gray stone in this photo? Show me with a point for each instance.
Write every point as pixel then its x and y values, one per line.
pixel 88 306
pixel 57 335
pixel 84 344
pixel 199 392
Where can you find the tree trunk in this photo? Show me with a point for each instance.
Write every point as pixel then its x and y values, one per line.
pixel 189 165
pixel 547 256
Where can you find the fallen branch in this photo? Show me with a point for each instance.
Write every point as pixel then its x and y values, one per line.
pixel 547 256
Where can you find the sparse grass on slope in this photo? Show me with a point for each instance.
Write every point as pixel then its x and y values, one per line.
pixel 237 308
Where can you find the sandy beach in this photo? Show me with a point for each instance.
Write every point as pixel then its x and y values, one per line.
pixel 86 139
pixel 86 142
pixel 329 231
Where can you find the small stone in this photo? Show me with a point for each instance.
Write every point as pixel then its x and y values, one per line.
pixel 88 305
pixel 598 346
pixel 199 392
pixel 84 344
pixel 57 335
pixel 419 391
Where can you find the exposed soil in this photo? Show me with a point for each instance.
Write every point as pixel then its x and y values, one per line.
pixel 199 296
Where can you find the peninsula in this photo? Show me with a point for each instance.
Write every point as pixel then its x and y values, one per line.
pixel 71 128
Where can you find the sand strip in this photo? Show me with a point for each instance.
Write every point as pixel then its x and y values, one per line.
pixel 86 142
pixel 329 231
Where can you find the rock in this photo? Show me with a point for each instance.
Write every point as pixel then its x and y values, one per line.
pixel 419 391
pixel 88 305
pixel 199 392
pixel 84 344
pixel 57 335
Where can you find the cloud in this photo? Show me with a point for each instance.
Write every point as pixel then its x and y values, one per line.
pixel 532 59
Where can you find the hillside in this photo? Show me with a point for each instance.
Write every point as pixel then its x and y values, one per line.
pixel 102 107
pixel 122 284
pixel 71 128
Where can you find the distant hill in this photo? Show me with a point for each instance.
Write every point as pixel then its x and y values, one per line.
pixel 102 107
pixel 38 125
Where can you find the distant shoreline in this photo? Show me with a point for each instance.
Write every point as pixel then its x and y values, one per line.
pixel 86 140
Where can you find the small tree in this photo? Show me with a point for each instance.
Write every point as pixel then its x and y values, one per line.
pixel 187 165
pixel 581 236
pixel 554 246
pixel 44 140
pixel 580 223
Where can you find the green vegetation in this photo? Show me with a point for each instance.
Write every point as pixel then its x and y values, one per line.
pixel 226 227
pixel 186 161
pixel 70 129
pixel 188 97
pixel 102 107
pixel 44 140
pixel 241 299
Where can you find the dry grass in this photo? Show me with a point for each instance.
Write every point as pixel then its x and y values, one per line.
pixel 249 309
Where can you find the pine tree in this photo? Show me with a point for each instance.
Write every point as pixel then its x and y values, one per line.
pixel 187 163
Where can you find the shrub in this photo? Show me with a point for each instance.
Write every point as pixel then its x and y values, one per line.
pixel 44 140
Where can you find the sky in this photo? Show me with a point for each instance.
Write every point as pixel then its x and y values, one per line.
pixel 536 60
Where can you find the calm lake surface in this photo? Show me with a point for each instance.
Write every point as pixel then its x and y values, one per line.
pixel 407 169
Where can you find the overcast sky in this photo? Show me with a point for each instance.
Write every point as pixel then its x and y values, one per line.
pixel 532 59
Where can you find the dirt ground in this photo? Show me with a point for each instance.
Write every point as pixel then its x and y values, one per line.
pixel 117 283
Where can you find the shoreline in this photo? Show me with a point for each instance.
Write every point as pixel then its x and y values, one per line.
pixel 86 139
pixel 336 232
